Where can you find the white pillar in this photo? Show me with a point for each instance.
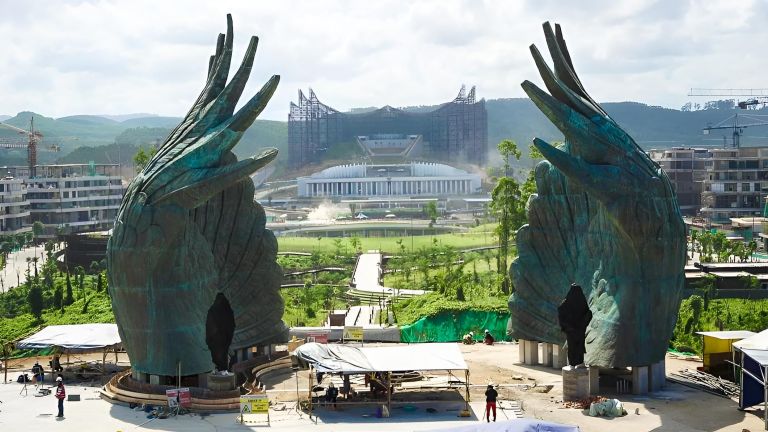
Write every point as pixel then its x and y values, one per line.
pixel 531 353
pixel 639 380
pixel 657 376
pixel 521 350
pixel 594 380
pixel 559 356
pixel 547 354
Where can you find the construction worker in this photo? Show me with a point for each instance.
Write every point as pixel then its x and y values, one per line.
pixel 60 395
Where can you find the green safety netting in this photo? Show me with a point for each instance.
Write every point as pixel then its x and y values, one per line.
pixel 33 353
pixel 452 326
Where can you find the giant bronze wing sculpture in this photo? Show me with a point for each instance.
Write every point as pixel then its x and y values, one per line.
pixel 605 217
pixel 192 269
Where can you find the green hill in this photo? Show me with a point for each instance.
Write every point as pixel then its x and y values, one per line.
pixel 158 122
pixel 262 134
pixel 82 136
pixel 108 154
pixel 88 120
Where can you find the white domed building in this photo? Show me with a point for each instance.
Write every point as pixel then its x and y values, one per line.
pixel 415 179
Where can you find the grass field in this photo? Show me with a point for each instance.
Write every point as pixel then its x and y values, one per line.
pixel 388 244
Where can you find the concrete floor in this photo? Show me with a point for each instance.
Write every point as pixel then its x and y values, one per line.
pixel 677 408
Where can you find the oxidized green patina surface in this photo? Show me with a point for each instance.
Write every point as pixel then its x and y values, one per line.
pixel 188 235
pixel 605 217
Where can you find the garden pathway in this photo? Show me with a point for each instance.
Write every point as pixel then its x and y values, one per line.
pixel 14 272
pixel 367 275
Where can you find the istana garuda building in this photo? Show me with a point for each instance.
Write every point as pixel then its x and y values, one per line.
pixel 456 131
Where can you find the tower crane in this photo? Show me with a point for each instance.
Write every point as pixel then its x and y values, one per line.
pixel 737 128
pixel 30 142
pixel 757 96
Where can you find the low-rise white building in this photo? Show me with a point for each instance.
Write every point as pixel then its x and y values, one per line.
pixel 412 179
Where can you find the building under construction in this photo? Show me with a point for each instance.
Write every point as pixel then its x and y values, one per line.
pixel 456 131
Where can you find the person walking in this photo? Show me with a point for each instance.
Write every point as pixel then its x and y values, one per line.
pixel 60 395
pixel 490 402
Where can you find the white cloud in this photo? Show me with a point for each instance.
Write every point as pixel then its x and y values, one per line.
pixel 73 57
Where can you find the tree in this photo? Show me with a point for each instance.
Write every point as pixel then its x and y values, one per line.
pixel 142 158
pixel 507 203
pixel 35 299
pixel 69 299
pixel 752 248
pixel 307 299
pixel 7 247
pixel 694 237
pixel 339 249
pixel 37 230
pixel 431 211
pixel 315 259
pixel 86 301
pixel 80 274
pixel 355 243
pixel 49 272
pixel 58 297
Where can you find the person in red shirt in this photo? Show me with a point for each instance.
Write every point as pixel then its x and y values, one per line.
pixel 60 395
pixel 490 402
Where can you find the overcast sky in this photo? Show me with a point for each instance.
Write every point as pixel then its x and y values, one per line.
pixel 116 57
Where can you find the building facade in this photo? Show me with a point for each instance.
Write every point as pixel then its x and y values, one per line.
pixel 69 198
pixel 455 131
pixel 14 206
pixel 729 182
pixel 687 170
pixel 399 180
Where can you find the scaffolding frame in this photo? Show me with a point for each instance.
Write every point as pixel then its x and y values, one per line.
pixel 455 131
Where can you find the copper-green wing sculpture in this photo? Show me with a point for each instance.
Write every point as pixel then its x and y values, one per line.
pixel 192 269
pixel 605 217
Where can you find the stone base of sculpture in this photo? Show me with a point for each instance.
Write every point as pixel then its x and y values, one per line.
pixel 575 383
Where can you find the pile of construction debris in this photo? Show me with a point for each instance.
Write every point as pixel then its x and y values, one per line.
pixel 704 381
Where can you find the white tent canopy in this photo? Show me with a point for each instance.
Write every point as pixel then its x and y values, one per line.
pixel 754 372
pixel 73 338
pixel 347 359
pixel 755 342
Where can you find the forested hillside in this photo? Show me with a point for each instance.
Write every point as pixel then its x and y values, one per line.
pixel 85 138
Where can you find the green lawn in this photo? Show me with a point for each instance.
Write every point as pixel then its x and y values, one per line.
pixel 388 244
pixel 398 280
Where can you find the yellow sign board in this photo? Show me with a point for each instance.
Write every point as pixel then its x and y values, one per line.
pixel 256 404
pixel 353 333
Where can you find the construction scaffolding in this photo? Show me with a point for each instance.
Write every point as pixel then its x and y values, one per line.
pixel 456 131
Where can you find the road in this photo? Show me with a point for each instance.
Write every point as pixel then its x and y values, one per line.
pixel 14 272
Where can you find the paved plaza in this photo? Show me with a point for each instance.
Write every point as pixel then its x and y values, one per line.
pixel 537 389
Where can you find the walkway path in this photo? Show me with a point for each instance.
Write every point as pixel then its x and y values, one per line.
pixel 14 272
pixel 366 276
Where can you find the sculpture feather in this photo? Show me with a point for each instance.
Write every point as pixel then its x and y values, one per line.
pixel 192 268
pixel 605 217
